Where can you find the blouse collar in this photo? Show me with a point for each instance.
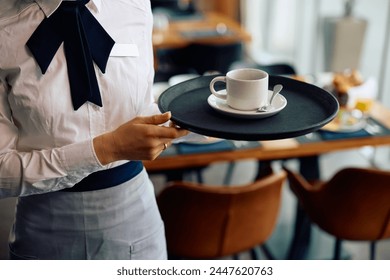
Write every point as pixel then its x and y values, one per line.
pixel 49 6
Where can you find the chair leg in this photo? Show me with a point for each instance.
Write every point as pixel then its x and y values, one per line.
pixel 337 249
pixel 372 250
pixel 229 172
pixel 301 237
pixel 255 253
pixel 267 252
pixel 310 169
pixel 264 168
pixel 199 176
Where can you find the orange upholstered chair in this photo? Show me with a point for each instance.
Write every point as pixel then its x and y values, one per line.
pixel 209 222
pixel 353 205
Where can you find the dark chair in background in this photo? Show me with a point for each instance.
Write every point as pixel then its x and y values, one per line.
pixel 272 69
pixel 173 8
pixel 167 66
pixel 197 59
pixel 353 205
pixel 169 4
pixel 203 57
pixel 210 222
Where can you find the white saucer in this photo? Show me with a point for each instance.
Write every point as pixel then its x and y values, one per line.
pixel 221 106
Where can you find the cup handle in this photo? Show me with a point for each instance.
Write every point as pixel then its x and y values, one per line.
pixel 213 91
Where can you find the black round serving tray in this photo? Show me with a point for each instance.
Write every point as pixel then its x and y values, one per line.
pixel 308 109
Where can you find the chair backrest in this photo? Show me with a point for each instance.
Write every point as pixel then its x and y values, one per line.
pixel 213 221
pixel 197 58
pixel 354 204
pixel 278 69
pixel 212 57
pixel 168 4
pixel 272 69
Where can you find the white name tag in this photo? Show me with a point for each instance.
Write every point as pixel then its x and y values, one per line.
pixel 124 50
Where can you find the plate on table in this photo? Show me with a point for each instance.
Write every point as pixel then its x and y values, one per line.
pixel 308 109
pixel 221 106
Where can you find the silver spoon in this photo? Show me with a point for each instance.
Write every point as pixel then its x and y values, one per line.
pixel 276 90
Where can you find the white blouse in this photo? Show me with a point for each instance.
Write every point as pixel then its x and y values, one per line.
pixel 45 145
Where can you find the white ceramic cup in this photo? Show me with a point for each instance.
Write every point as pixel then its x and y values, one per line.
pixel 246 89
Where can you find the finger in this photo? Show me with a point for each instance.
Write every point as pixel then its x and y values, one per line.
pixel 173 124
pixel 161 148
pixel 169 132
pixel 165 143
pixel 154 119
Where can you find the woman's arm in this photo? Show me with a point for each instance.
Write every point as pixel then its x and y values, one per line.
pixel 38 171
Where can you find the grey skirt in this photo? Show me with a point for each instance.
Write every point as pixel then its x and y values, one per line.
pixel 122 222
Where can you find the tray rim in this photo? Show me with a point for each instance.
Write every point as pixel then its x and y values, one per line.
pixel 256 136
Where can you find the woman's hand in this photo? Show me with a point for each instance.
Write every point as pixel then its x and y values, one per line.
pixel 142 138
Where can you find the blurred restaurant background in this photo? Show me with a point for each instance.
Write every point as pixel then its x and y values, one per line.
pixel 342 46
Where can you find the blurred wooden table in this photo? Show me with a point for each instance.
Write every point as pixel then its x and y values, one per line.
pixel 210 28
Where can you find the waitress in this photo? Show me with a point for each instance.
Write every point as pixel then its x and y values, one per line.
pixel 77 117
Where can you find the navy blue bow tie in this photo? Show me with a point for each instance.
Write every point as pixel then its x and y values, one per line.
pixel 85 41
